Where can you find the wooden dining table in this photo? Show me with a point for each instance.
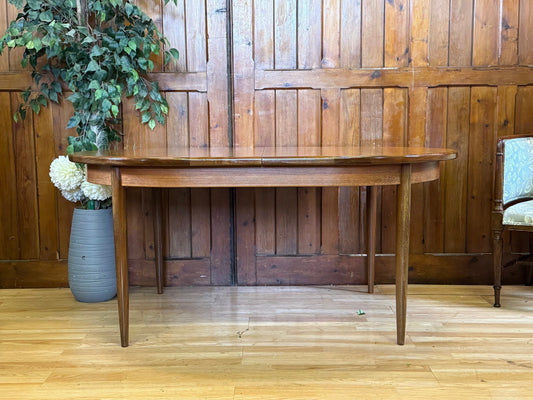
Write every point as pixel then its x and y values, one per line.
pixel 211 167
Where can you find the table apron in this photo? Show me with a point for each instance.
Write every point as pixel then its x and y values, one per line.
pixel 314 176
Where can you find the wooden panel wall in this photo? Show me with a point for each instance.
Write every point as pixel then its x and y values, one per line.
pixel 36 220
pixel 451 73
pixel 420 72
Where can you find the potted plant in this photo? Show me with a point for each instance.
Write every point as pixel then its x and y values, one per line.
pixel 93 53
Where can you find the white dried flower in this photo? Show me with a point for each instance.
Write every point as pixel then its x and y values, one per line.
pixel 65 175
pixel 72 195
pixel 96 192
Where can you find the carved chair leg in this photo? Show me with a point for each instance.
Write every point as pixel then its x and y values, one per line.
pixel 497 252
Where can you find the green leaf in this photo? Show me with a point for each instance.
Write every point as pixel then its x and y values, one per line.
pixel 114 110
pixel 34 4
pixel 26 95
pixel 70 149
pixel 129 9
pixel 175 53
pixel 146 117
pixel 94 85
pixel 106 105
pixel 37 44
pixel 46 16
pixel 42 100
pixel 132 45
pixel 151 124
pixel 34 104
pixel 93 66
pixel 73 121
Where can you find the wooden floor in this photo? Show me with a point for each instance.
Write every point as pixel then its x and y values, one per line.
pixel 269 343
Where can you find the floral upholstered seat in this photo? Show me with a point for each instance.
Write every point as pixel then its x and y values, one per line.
pixel 513 195
pixel 519 214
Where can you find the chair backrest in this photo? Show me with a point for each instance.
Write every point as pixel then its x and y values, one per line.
pixel 517 168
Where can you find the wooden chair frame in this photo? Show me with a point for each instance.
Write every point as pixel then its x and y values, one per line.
pixel 497 215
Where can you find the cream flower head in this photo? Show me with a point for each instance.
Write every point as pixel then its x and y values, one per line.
pixel 96 192
pixel 65 175
pixel 72 195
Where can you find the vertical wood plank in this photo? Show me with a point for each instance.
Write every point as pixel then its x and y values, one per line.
pixel 47 193
pixel 200 223
pixel 135 223
pixel 456 173
pixel 285 34
pixel 198 119
pixel 221 273
pixel 525 32
pixel 371 116
pixel 372 33
pixel 178 120
pixel 524 99
pixel 4 58
pixel 195 33
pixel 243 82
pixel 24 148
pixel 439 32
pixel 486 32
pixel 350 117
pixel 434 191
pixel 264 34
pixel 350 53
pixel 397 33
pixel 244 233
pixel 509 32
pixel 179 222
pixel 331 34
pixel 420 16
pixel 174 30
pixel 9 236
pixel 460 50
pixel 217 83
pixel 331 103
pixel 309 34
pixel 481 150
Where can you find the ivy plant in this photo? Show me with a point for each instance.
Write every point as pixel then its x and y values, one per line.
pixel 93 53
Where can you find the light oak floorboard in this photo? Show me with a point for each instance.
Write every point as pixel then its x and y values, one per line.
pixel 269 343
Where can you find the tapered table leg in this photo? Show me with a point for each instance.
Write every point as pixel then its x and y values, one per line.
pixel 372 202
pixel 158 241
pixel 402 250
pixel 121 253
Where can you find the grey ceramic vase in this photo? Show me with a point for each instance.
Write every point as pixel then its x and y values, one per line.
pixel 91 256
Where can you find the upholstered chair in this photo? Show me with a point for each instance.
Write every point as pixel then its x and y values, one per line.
pixel 512 196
